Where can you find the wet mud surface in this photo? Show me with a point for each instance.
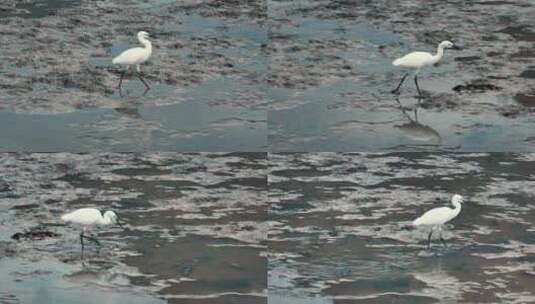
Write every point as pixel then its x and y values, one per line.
pixel 331 76
pixel 338 228
pixel 206 72
pixel 195 228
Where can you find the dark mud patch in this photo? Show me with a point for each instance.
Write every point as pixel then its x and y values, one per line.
pixel 530 73
pixel 25 207
pixel 376 285
pixel 33 9
pixel 35 234
pixel 392 298
pixel 519 32
pixel 476 86
pixel 302 64
pixel 526 99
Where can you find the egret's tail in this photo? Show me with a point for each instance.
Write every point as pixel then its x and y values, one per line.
pixel 115 60
pixel 396 62
pixel 416 222
pixel 66 217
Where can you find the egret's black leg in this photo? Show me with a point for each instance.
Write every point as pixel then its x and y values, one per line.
pixel 94 239
pixel 144 82
pixel 396 90
pixel 443 242
pixel 417 87
pixel 91 238
pixel 82 242
pixel 121 79
pixel 429 239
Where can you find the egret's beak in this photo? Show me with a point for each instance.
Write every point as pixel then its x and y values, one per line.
pixel 456 47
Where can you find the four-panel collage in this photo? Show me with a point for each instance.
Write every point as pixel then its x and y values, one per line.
pixel 267 151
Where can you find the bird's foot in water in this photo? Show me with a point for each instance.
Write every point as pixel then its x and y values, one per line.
pixel 423 95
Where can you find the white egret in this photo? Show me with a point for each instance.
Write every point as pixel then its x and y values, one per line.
pixel 436 217
pixel 135 56
pixel 418 60
pixel 90 217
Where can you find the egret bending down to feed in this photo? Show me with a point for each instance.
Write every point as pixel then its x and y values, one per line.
pixel 418 60
pixel 135 56
pixel 436 217
pixel 90 217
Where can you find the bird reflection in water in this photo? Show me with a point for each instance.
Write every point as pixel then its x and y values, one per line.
pixel 417 131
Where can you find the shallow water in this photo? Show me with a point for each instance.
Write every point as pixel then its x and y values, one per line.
pixel 338 232
pixel 331 76
pixel 59 86
pixel 195 228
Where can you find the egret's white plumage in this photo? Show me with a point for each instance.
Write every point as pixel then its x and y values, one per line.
pixel 90 216
pixel 418 60
pixel 135 56
pixel 438 216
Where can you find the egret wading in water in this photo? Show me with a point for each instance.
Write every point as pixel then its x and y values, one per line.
pixel 418 60
pixel 436 217
pixel 88 217
pixel 135 56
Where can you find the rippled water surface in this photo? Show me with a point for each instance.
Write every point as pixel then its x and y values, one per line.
pixel 339 228
pixel 195 228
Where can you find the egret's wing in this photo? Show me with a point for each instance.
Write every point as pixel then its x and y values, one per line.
pixel 130 56
pixel 434 216
pixel 413 60
pixel 82 216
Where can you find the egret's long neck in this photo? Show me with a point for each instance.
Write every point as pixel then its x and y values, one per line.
pixel 457 208
pixel 105 220
pixel 439 54
pixel 146 43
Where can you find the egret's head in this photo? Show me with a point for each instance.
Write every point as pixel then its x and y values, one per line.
pixel 448 45
pixel 457 198
pixel 112 218
pixel 142 35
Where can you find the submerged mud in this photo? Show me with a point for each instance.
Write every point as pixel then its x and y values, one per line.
pixel 338 228
pixel 195 227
